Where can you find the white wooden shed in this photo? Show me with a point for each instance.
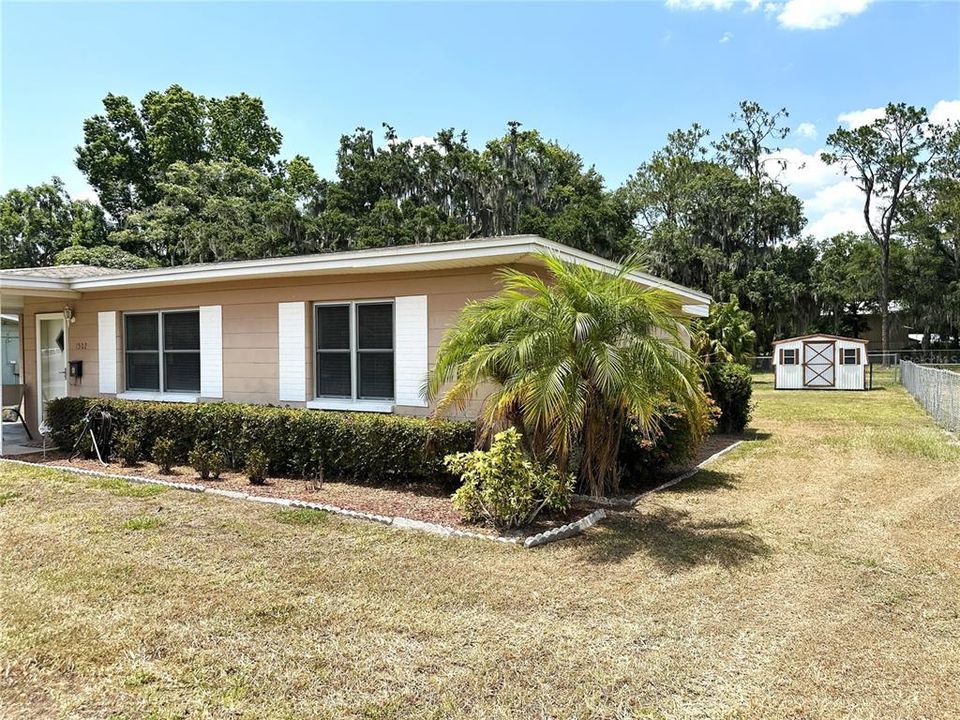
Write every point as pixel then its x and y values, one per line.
pixel 820 362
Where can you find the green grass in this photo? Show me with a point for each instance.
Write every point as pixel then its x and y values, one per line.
pixel 142 522
pixel 124 488
pixel 301 516
pixel 814 572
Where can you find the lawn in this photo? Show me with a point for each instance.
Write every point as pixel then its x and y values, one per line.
pixel 814 572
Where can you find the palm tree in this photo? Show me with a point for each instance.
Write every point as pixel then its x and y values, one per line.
pixel 571 356
pixel 727 335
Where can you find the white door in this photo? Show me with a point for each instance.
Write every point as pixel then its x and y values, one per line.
pixel 51 361
pixel 818 364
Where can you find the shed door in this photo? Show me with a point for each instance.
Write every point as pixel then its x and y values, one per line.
pixel 818 364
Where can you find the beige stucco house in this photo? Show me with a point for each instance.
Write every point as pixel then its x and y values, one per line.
pixel 341 331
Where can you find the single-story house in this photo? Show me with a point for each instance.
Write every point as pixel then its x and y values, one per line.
pixel 339 331
pixel 820 362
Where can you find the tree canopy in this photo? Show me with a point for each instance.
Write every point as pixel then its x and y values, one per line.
pixel 183 178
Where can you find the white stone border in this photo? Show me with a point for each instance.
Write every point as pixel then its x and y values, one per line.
pixel 629 502
pixel 560 533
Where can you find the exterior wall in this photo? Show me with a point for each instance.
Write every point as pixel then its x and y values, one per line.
pixel 250 324
pixel 788 377
pixel 846 377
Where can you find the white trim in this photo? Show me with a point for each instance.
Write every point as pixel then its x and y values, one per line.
pixel 377 406
pixel 66 360
pixel 410 342
pixel 292 351
pixel 211 351
pixel 158 396
pixel 107 351
pixel 498 250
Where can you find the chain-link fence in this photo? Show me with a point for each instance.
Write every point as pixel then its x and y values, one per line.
pixel 937 389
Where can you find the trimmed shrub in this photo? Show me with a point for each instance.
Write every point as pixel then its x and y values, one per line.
pixel 127 448
pixel 206 461
pixel 164 454
pixel 731 386
pixel 363 447
pixel 674 442
pixel 503 486
pixel 256 467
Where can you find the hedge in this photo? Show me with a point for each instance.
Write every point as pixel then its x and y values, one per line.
pixel 674 441
pixel 364 447
pixel 731 386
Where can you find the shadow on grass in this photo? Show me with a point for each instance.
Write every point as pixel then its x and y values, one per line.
pixel 674 540
pixel 704 481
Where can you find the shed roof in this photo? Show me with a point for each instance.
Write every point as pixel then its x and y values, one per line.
pixel 821 335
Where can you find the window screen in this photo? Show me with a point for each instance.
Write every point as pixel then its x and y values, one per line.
pixel 355 360
pixel 162 351
pixel 334 359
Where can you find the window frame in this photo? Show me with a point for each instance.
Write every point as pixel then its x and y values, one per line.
pixel 855 356
pixel 161 353
pixel 354 399
pixel 795 353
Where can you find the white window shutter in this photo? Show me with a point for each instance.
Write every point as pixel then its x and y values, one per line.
pixel 410 349
pixel 211 351
pixel 107 351
pixel 293 342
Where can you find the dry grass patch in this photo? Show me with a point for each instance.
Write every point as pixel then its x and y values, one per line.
pixel 800 577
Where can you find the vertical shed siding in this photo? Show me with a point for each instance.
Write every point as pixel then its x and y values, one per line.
pixel 846 377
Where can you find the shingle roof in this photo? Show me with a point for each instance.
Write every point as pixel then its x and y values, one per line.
pixel 64 272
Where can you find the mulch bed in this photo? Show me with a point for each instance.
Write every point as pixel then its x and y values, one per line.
pixel 416 501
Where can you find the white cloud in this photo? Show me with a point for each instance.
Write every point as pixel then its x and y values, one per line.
pixel 727 37
pixel 945 111
pixel 790 14
pixel 700 4
pixel 857 118
pixel 831 201
pixel 818 14
pixel 806 130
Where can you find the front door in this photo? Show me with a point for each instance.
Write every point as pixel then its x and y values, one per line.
pixel 818 364
pixel 51 361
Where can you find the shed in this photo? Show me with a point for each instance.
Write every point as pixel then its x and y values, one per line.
pixel 820 362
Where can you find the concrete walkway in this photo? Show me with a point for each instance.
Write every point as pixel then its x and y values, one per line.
pixel 14 439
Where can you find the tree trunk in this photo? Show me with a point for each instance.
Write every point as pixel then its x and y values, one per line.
pixel 885 303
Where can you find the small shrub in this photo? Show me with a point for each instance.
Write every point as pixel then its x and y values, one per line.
pixel 256 466
pixel 503 486
pixel 206 461
pixel 164 454
pixel 127 448
pixel 731 386
pixel 674 441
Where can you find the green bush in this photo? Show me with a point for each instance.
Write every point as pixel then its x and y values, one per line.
pixel 207 461
pixel 674 442
pixel 362 447
pixel 731 386
pixel 127 448
pixel 503 486
pixel 256 466
pixel 164 454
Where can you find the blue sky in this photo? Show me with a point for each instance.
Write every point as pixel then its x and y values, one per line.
pixel 608 80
